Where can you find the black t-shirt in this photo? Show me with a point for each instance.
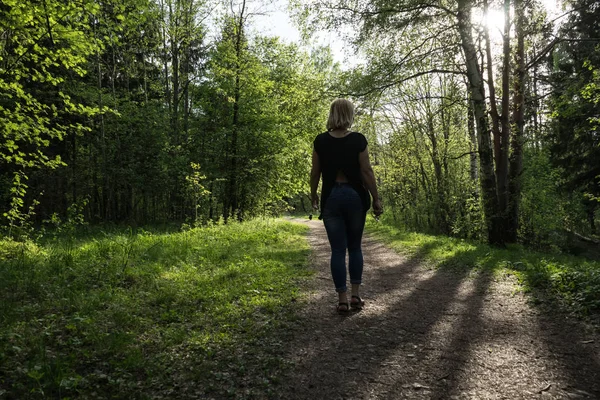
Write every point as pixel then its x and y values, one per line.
pixel 341 154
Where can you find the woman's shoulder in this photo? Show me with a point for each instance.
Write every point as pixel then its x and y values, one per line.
pixel 353 135
pixel 321 136
pixel 320 141
pixel 360 140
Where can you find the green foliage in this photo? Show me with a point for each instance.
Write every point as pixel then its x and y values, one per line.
pixel 68 226
pixel 421 99
pixel 44 41
pixel 418 142
pixel 19 218
pixel 263 105
pixel 551 278
pixel 142 313
pixel 195 189
pixel 541 199
pixel 121 99
pixel 573 139
pixel 469 222
pixel 44 44
pixel 591 91
pixel 117 99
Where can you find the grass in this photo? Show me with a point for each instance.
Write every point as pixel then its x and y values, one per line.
pixel 137 314
pixel 201 313
pixel 569 281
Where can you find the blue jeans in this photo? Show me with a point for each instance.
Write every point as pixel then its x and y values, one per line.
pixel 344 220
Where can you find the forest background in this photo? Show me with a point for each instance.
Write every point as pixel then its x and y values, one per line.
pixel 131 112
pixel 135 135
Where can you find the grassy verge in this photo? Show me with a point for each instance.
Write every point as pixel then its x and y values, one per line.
pixel 194 314
pixel 569 281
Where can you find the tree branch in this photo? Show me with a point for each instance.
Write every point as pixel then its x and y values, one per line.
pixel 399 81
pixel 463 155
pixel 419 7
pixel 543 53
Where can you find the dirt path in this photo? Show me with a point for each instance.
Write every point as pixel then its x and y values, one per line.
pixel 427 334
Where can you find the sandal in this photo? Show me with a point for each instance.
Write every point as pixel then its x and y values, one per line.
pixel 358 304
pixel 342 310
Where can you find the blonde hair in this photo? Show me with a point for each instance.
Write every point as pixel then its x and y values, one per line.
pixel 341 115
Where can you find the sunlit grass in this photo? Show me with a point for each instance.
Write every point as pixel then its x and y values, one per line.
pixel 129 314
pixel 551 278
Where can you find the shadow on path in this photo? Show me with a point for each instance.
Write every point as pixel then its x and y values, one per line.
pixel 433 334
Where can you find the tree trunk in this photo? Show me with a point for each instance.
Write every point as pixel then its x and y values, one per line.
pixel 502 161
pixel 232 192
pixel 516 157
pixel 165 56
pixel 187 68
pixel 175 40
pixel 591 213
pixel 440 210
pixel 476 90
pixel 492 92
pixel 103 199
pixel 74 168
pixel 472 143
pixel 536 107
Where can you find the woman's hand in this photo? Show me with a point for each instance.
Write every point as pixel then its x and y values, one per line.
pixel 377 207
pixel 315 203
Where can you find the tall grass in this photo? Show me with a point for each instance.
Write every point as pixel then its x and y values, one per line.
pixel 136 314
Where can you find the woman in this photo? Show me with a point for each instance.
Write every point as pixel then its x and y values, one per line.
pixel 341 157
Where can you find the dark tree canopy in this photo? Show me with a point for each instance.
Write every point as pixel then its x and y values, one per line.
pixel 574 137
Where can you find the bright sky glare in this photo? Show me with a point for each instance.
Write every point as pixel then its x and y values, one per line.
pixel 495 18
pixel 276 22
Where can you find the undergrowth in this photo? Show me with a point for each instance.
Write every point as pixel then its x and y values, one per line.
pixel 136 314
pixel 555 279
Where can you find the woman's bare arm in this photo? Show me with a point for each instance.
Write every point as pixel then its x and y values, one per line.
pixel 315 176
pixel 368 177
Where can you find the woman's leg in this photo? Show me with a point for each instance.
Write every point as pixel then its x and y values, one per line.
pixel 335 226
pixel 355 225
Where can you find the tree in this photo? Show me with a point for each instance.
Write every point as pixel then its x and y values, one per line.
pixel 410 39
pixel 43 44
pixel 259 105
pixel 575 136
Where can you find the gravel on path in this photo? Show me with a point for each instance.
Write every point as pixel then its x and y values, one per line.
pixel 433 334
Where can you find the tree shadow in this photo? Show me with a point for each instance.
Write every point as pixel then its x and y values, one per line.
pixel 453 331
